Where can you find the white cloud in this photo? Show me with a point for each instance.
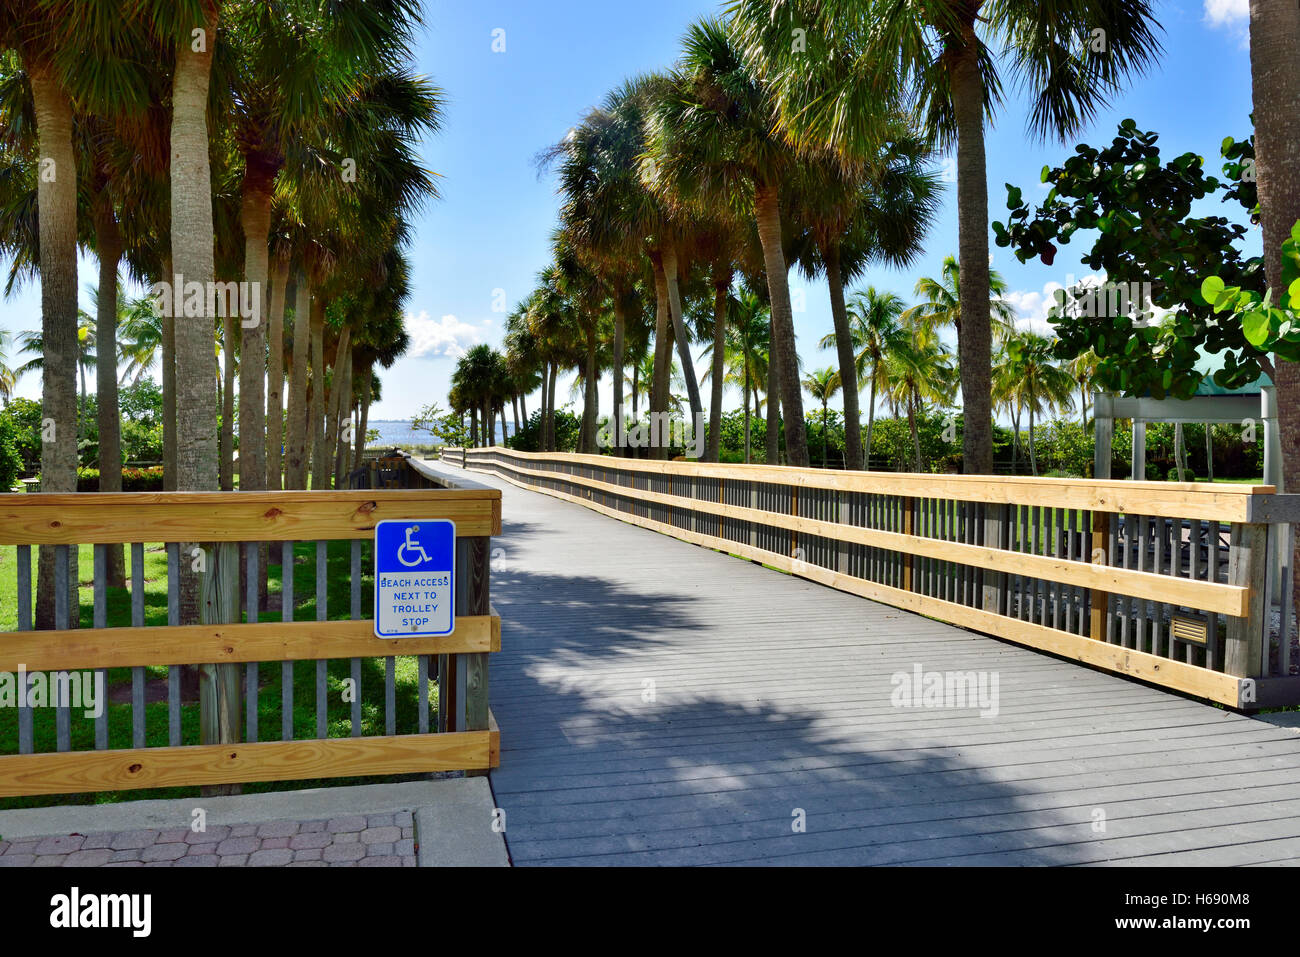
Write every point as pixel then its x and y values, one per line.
pixel 1233 16
pixel 447 336
pixel 1221 13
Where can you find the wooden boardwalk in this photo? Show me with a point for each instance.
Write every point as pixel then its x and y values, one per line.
pixel 663 704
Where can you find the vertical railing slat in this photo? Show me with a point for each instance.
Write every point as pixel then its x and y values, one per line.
pixel 101 621
pixel 62 619
pixel 252 669
pixel 24 560
pixel 356 616
pixel 138 673
pixel 322 591
pixel 286 667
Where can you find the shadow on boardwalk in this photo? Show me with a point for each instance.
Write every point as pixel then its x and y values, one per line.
pixel 616 752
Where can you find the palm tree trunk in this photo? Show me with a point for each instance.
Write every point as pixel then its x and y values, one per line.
pixel 346 434
pixel 683 339
pixel 636 390
pixel 541 423
pixel 1015 438
pixel 1274 39
pixel 514 410
pixel 275 373
pixel 366 386
pixel 825 434
pixel 620 330
pixel 747 450
pixel 295 446
pixel 772 416
pixel 108 248
pixel 589 393
pixel 916 437
pixel 768 210
pixel 57 222
pixel 473 427
pixel 848 362
pixel 1209 452
pixel 661 380
pixel 871 421
pixel 169 399
pixel 227 439
pixel 974 336
pixel 1180 451
pixel 318 396
pixel 721 284
pixel 336 402
pixel 552 444
pixel 255 217
pixel 1033 453
pixel 192 259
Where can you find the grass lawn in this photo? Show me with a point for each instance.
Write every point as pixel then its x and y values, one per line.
pixel 338 602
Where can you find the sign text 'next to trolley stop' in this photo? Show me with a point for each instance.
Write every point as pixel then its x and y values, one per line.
pixel 415 569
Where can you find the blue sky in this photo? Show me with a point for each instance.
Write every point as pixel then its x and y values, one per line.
pixel 485 240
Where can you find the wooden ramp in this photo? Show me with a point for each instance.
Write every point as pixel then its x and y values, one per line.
pixel 664 704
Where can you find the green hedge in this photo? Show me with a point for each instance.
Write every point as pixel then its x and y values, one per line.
pixel 133 480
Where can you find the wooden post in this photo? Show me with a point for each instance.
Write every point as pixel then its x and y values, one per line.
pixel 463 679
pixel 219 685
pixel 1099 602
pixel 995 536
pixel 1247 566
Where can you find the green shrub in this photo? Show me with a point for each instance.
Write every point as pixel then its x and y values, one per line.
pixel 133 480
pixel 11 462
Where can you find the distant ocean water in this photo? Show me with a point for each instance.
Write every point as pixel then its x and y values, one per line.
pixel 394 432
pixel 399 432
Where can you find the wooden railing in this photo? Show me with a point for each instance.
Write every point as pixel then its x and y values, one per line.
pixel 1160 581
pixel 233 744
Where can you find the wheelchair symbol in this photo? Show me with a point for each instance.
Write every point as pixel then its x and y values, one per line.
pixel 415 548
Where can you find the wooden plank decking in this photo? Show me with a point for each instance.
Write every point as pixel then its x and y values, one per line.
pixel 661 703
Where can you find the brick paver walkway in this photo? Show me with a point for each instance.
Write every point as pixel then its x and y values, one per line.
pixel 376 840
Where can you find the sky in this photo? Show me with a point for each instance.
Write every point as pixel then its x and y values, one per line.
pixel 518 75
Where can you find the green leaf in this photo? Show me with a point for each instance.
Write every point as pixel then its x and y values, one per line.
pixel 1294 291
pixel 1254 326
pixel 1212 288
pixel 1047 170
pixel 1013 197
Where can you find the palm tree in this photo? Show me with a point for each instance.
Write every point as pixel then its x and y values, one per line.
pixel 941 307
pixel 822 386
pixel 1035 382
pixel 920 371
pixel 346 100
pixel 875 331
pixel 1083 370
pixel 713 142
pixel 139 340
pixel 858 215
pixel 934 52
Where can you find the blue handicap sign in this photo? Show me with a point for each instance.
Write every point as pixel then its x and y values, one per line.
pixel 415 578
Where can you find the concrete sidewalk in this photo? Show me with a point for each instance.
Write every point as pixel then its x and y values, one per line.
pixel 439 823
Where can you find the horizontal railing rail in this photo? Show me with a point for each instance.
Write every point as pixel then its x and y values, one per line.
pixel 1161 581
pixel 218 550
